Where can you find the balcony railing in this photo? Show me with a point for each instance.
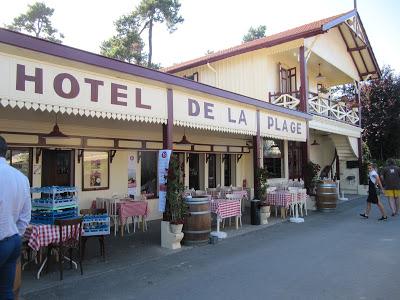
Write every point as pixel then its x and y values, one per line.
pixel 288 100
pixel 318 105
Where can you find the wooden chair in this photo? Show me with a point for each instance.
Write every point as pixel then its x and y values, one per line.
pixel 72 241
pixel 112 211
pixel 98 211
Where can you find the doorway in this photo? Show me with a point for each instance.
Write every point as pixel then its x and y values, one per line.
pixel 295 160
pixel 57 167
pixel 212 170
pixel 194 171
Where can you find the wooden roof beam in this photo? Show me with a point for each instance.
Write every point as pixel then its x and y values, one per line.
pixel 368 73
pixel 357 48
pixel 351 53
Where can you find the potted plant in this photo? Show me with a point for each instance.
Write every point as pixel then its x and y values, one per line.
pixel 176 206
pixel 265 209
pixel 311 171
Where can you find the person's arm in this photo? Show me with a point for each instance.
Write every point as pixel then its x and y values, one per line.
pixel 25 214
pixel 379 182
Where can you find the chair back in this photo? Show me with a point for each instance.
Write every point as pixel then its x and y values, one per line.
pixel 233 196
pixel 101 203
pixel 119 196
pixel 72 229
pixel 236 188
pixel 200 193
pixel 112 208
pixel 303 195
pixel 294 196
pixel 213 192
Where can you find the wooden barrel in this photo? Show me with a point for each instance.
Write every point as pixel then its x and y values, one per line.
pixel 197 225
pixel 326 196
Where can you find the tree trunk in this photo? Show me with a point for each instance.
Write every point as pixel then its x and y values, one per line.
pixel 150 43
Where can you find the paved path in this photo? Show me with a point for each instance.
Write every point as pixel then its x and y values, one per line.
pixel 330 256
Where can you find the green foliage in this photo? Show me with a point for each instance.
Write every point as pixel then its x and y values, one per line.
pixel 126 45
pixel 380 115
pixel 311 171
pixel 262 176
pixel 158 11
pixel 255 33
pixel 36 21
pixel 177 208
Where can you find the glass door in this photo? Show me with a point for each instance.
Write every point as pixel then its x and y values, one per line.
pixel 227 170
pixel 212 170
pixel 57 167
pixel 194 170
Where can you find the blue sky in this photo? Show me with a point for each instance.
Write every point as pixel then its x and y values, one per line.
pixel 216 24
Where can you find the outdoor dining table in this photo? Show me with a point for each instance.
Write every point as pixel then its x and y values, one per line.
pixel 279 198
pixel 284 199
pixel 131 208
pixel 224 208
pixel 39 236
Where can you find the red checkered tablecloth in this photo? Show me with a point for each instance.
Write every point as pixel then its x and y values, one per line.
pixel 279 199
pixel 43 235
pixel 225 208
pixel 132 209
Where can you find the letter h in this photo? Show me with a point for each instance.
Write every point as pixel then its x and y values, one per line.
pixel 22 78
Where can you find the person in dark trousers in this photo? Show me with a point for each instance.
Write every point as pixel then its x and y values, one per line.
pixel 15 215
pixel 373 193
pixel 391 182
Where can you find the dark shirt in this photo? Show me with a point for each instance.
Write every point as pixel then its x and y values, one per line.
pixel 391 178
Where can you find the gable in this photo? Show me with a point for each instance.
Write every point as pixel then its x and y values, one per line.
pixel 331 47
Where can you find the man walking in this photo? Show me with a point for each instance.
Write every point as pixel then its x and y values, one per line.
pixel 391 182
pixel 15 214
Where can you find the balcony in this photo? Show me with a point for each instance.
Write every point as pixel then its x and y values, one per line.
pixel 334 109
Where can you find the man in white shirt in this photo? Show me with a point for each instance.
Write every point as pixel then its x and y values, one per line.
pixel 15 214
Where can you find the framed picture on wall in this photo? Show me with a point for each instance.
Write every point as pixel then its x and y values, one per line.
pixel 95 170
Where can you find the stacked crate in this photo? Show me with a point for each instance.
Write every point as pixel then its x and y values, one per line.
pixel 96 225
pixel 56 202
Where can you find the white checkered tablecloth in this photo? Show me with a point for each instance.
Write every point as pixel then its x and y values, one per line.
pixel 279 199
pixel 43 235
pixel 225 208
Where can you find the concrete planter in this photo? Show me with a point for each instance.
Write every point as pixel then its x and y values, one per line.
pixel 265 213
pixel 176 228
pixel 169 239
pixel 311 203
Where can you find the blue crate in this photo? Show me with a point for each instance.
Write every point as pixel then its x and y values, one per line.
pixel 49 216
pixel 54 203
pixel 96 225
pixel 43 220
pixel 96 218
pixel 54 189
pixel 96 231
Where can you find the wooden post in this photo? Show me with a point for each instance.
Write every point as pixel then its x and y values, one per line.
pixel 304 106
pixel 168 128
pixel 256 156
pixel 303 81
